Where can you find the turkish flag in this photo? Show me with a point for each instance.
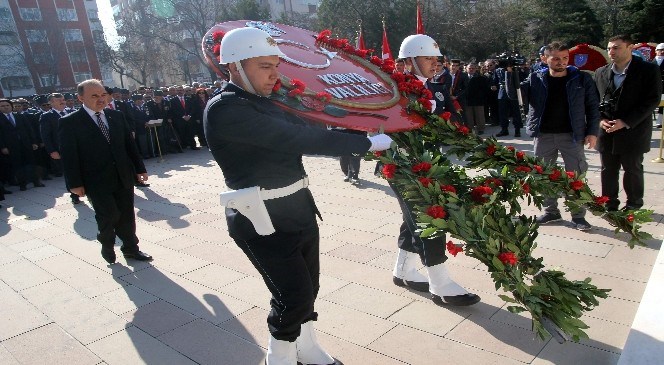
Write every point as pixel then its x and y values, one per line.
pixel 420 25
pixel 360 41
pixel 387 54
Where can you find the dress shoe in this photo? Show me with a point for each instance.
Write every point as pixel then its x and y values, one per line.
pixel 138 256
pixel 142 185
pixel 517 134
pixel 456 300
pixel 39 185
pixel 75 200
pixel 195 148
pixel 503 134
pixel 108 254
pixel 415 285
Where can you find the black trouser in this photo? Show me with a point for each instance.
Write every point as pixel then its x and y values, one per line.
pixel 290 266
pixel 143 144
pixel 633 181
pixel 507 108
pixel 114 212
pixel 350 166
pixel 431 251
pixel 185 132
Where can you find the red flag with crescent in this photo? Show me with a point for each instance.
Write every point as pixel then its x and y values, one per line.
pixel 386 53
pixel 327 80
pixel 420 24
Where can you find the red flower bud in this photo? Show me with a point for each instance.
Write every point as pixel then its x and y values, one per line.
pixel 576 185
pixel 479 194
pixel 324 96
pixel 453 249
pixel 601 200
pixel 448 188
pixel 570 174
pixel 277 86
pixel 295 92
pixel 426 103
pixel 446 115
pixel 630 218
pixel 522 169
pixel 539 169
pixel 378 153
pixel 388 170
pixel 491 149
pixel 555 175
pixel 526 188
pixel 425 181
pixel 511 148
pixel 508 258
pixel 520 155
pixel 437 211
pixel 422 166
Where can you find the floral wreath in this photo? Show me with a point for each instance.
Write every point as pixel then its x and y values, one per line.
pixel 483 211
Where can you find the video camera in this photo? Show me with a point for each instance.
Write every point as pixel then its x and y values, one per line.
pixel 607 108
pixel 508 59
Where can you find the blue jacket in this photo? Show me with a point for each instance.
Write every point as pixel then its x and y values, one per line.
pixel 582 96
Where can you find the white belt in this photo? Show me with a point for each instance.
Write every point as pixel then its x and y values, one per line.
pixel 286 190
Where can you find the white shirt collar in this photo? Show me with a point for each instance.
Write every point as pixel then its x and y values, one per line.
pixel 613 67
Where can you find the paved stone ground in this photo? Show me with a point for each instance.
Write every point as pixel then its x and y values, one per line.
pixel 202 302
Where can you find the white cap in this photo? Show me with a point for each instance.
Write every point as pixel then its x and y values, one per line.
pixel 244 43
pixel 659 46
pixel 419 45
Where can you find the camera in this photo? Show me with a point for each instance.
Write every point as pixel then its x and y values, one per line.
pixel 507 59
pixel 607 108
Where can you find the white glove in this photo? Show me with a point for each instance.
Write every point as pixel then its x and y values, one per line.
pixel 379 142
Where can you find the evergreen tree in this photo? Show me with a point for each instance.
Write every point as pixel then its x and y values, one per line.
pixel 645 20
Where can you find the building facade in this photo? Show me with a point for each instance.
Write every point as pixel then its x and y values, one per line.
pixel 49 46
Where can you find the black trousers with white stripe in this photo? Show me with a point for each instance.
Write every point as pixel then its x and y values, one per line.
pixel 289 263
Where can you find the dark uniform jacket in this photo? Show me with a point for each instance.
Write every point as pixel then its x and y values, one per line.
pixel 478 90
pixel 158 110
pixel 258 144
pixel 90 161
pixel 17 138
pixel 48 125
pixel 637 97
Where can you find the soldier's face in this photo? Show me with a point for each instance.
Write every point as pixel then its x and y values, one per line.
pixel 5 107
pixel 427 65
pixel 17 107
pixel 58 103
pixel 400 67
pixel 471 69
pixel 69 103
pixel 94 97
pixel 262 73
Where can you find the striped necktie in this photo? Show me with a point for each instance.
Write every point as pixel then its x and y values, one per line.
pixel 102 126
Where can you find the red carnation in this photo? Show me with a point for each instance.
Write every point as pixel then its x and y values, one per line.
pixel 490 149
pixel 630 218
pixel 538 168
pixel 426 103
pixel 493 181
pixel 463 130
pixel 511 148
pixel 398 77
pixel 555 175
pixel 576 185
pixel 403 87
pixel 427 94
pixel 570 174
pixel 323 35
pixel 277 86
pixel 453 249
pixel 324 96
pixel 525 187
pixel 218 35
pixel 422 166
pixel 479 194
pixel 295 92
pixel 520 155
pixel 376 60
pixel 378 153
pixel 389 169
pixel 601 200
pixel 448 188
pixel 425 181
pixel 216 50
pixel 522 169
pixel 298 84
pixel 437 211
pixel 361 53
pixel 387 67
pixel 446 115
pixel 508 258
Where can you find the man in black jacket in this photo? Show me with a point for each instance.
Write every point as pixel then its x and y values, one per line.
pixel 259 148
pixel 630 89
pixel 476 98
pixel 100 160
pixel 17 144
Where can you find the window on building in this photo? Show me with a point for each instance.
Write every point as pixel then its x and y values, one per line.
pixel 82 76
pixel 78 56
pixel 67 15
pixel 73 35
pixel 5 14
pixel 93 15
pixel 312 8
pixel 47 80
pixel 16 82
pixel 42 57
pixel 30 14
pixel 35 35
pixel 8 38
pixel 98 36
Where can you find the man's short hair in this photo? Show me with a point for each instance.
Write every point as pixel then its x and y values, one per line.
pixel 455 60
pixel 555 46
pixel 80 88
pixel 7 101
pixel 55 96
pixel 622 37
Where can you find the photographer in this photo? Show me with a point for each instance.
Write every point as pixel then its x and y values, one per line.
pixel 507 106
pixel 630 89
pixel 562 117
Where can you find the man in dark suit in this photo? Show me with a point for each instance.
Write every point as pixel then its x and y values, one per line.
pixel 18 144
pixel 48 125
pixel 159 108
pixel 181 117
pixel 119 105
pixel 100 159
pixel 630 89
pixel 458 89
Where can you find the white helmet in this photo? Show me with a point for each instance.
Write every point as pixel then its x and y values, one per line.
pixel 243 43
pixel 418 45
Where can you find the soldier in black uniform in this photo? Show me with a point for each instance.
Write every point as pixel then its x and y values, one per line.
pixel 260 146
pixel 420 52
pixel 159 108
